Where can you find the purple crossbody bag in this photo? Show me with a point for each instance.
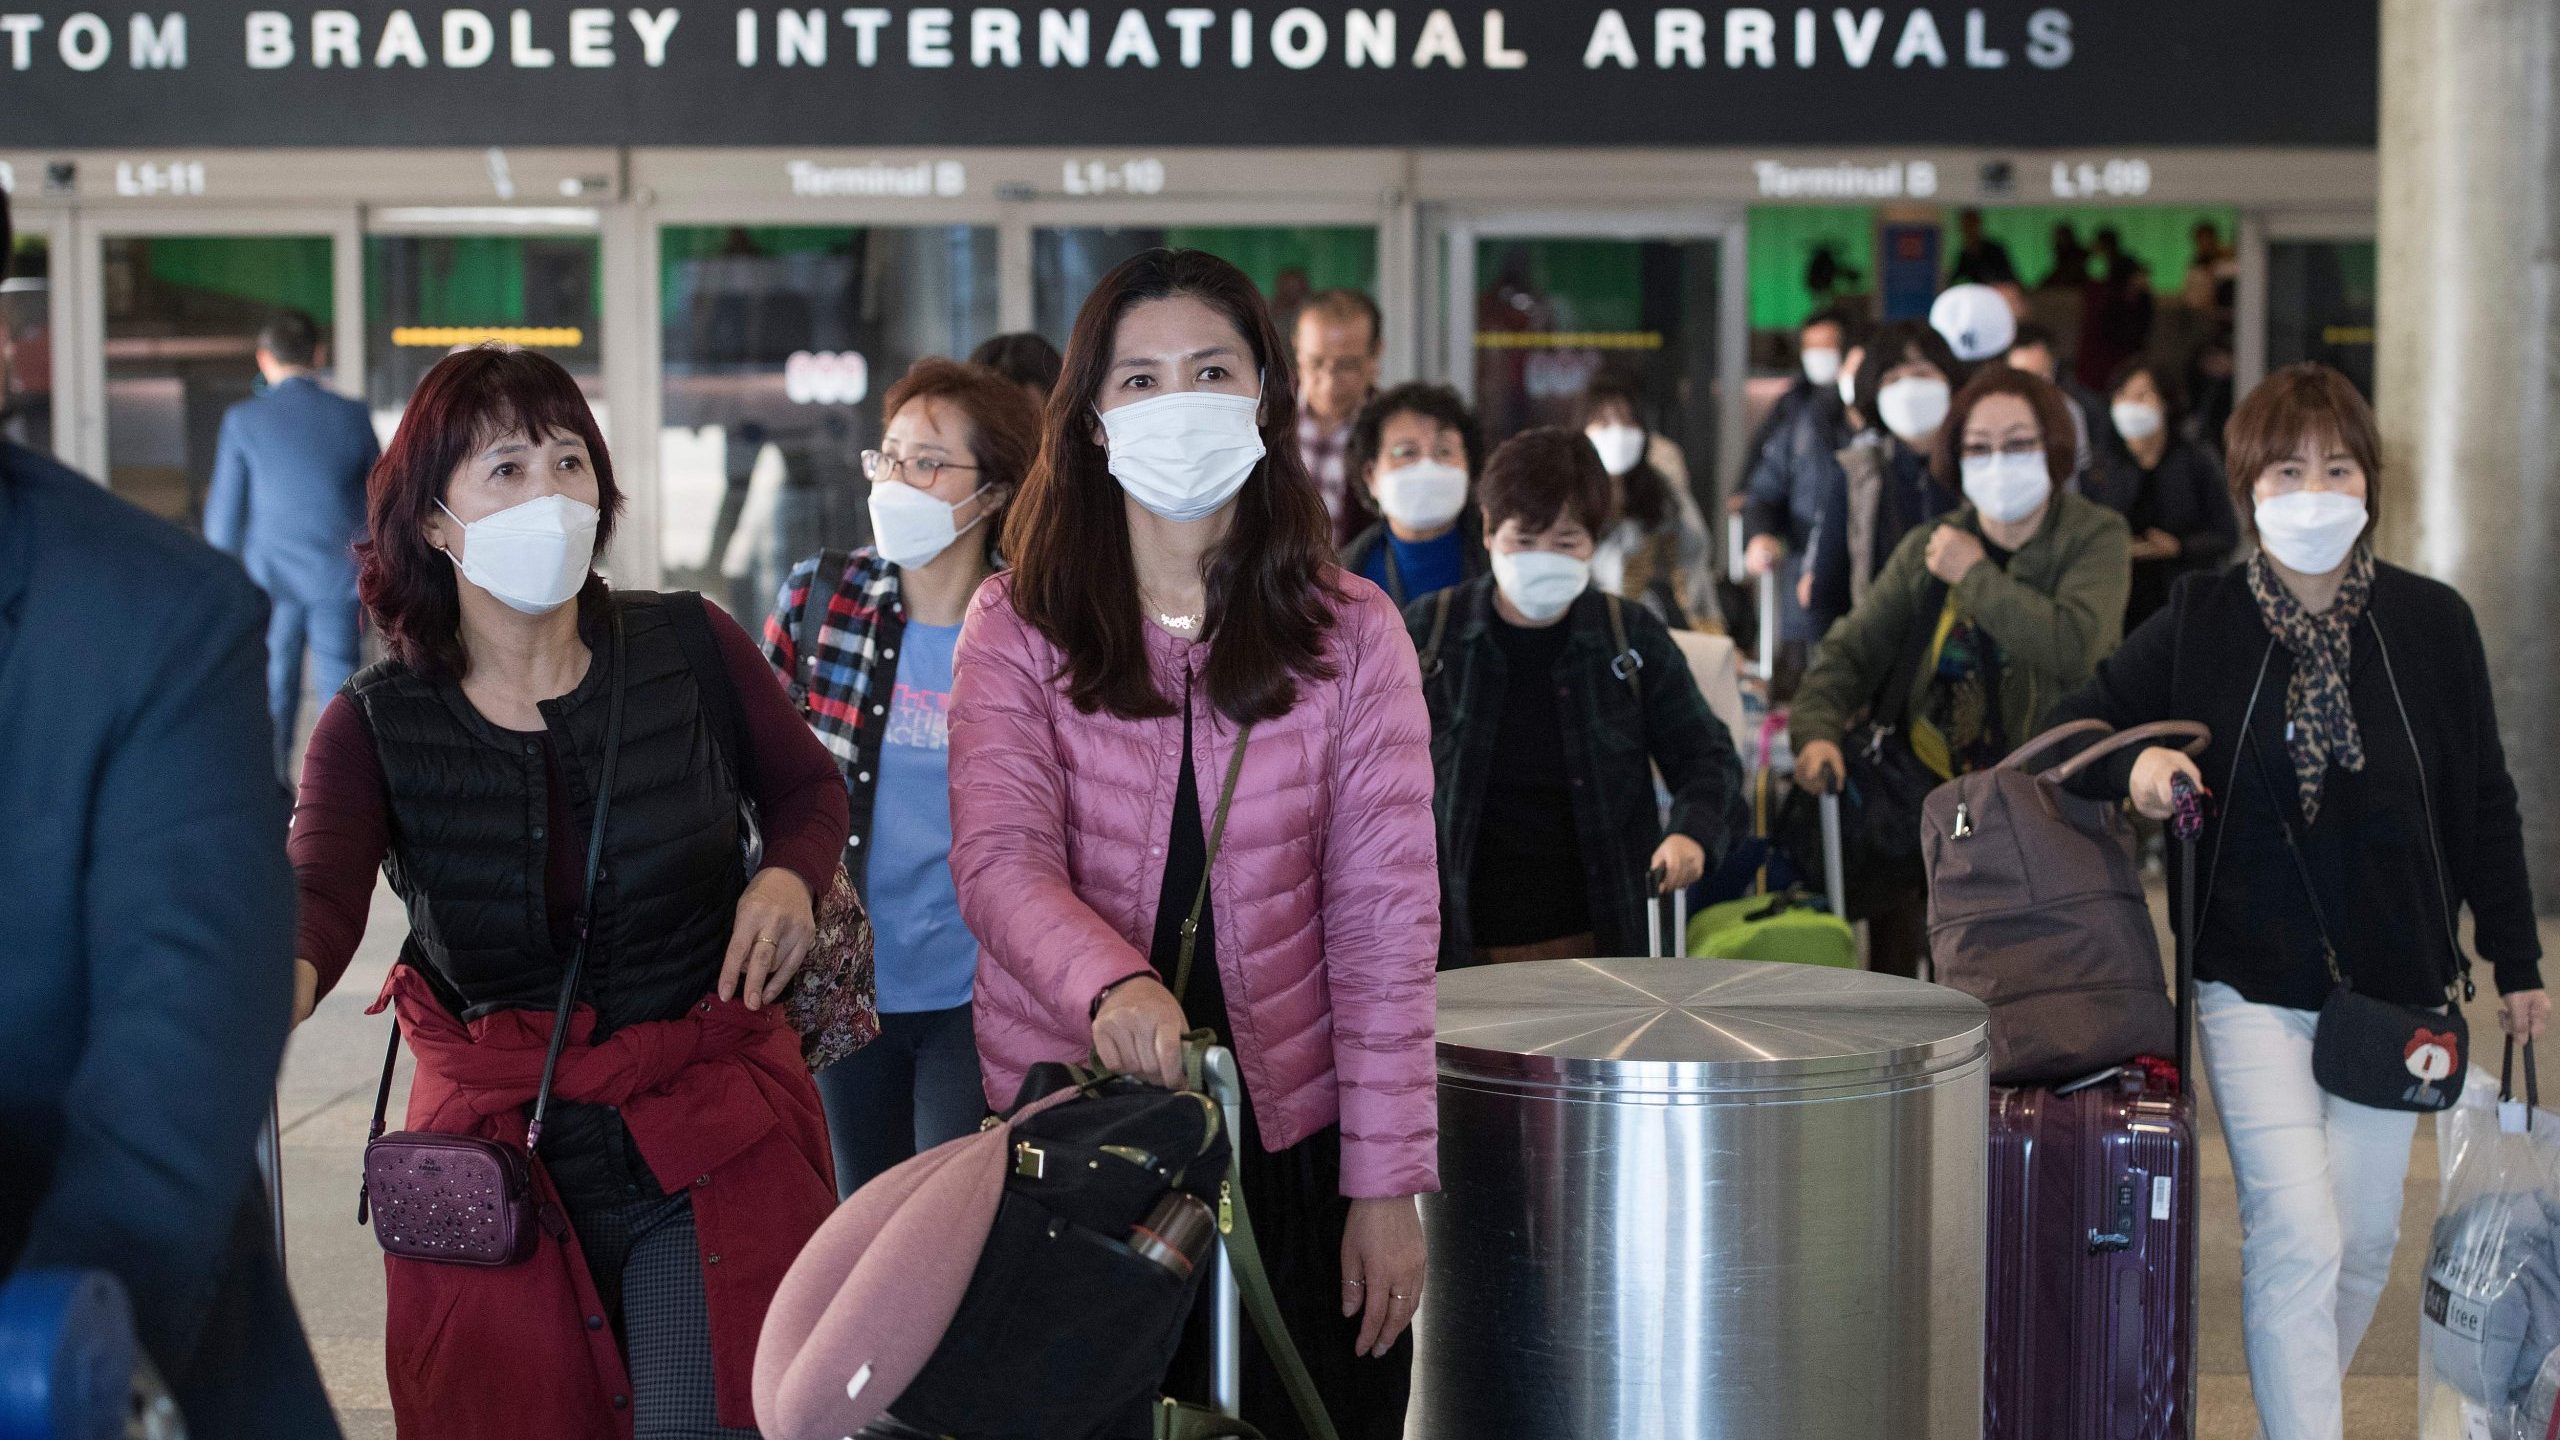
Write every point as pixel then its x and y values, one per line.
pixel 459 1199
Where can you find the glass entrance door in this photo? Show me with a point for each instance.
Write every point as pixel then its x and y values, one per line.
pixel 181 338
pixel 2320 302
pixel 1288 263
pixel 427 295
pixel 1545 314
pixel 778 343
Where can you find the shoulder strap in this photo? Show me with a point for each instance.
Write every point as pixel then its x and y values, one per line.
pixel 1440 604
pixel 2279 797
pixel 1624 663
pixel 1217 836
pixel 728 718
pixel 833 568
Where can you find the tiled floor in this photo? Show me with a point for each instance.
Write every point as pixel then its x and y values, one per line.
pixel 328 1093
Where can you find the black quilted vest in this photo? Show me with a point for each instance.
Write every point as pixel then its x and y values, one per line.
pixel 469 806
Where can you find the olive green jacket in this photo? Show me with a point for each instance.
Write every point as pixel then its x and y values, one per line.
pixel 2056 611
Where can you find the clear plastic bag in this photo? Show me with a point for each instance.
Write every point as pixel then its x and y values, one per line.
pixel 2489 1327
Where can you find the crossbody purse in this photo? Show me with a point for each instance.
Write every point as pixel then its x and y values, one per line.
pixel 462 1199
pixel 2372 1051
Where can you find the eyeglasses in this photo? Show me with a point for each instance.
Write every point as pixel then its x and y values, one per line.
pixel 880 465
pixel 1974 450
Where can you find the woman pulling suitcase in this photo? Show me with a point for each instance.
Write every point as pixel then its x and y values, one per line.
pixel 2362 799
pixel 1191 787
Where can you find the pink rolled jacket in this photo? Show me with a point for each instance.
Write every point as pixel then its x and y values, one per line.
pixel 1326 889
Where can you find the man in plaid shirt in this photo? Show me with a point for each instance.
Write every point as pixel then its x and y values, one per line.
pixel 1338 344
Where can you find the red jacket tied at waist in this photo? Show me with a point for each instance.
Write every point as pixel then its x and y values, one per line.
pixel 720 1107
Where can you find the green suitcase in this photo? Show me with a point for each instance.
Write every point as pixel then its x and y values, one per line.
pixel 1787 926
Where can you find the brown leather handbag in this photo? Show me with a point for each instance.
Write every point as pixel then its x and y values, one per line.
pixel 2036 908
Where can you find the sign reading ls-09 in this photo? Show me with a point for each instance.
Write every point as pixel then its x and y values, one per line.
pixel 1557 72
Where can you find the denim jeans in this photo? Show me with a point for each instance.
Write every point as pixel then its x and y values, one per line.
pixel 2321 1182
pixel 904 1093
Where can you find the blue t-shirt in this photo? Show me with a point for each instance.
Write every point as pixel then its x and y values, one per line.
pixel 927 959
pixel 1425 568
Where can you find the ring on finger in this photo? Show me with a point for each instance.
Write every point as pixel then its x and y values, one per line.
pixel 766 940
pixel 1357 1284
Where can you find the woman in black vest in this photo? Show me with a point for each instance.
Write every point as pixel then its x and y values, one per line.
pixel 466 767
pixel 2361 801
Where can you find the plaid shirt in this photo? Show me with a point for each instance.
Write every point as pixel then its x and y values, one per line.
pixel 1326 451
pixel 844 687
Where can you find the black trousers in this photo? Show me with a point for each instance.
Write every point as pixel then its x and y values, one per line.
pixel 1298 1216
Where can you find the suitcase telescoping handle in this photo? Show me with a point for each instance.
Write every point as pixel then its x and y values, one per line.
pixel 1655 902
pixel 2186 828
pixel 1835 884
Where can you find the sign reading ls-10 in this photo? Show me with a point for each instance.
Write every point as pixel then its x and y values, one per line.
pixel 1556 72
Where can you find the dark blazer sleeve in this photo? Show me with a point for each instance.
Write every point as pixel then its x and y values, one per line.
pixel 2496 884
pixel 188 909
pixel 226 499
pixel 1689 744
pixel 2130 688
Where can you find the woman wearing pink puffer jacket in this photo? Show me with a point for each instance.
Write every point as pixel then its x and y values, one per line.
pixel 1173 631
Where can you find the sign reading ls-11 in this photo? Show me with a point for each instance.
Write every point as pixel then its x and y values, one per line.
pixel 1557 72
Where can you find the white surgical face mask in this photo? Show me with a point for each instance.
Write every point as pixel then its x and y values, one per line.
pixel 1848 387
pixel 531 557
pixel 1620 446
pixel 1822 367
pixel 1184 454
pixel 2135 421
pixel 910 527
pixel 1913 407
pixel 1540 584
pixel 1424 495
pixel 2309 532
pixel 2007 488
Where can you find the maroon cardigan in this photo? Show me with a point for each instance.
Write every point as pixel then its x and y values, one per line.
pixel 720 1106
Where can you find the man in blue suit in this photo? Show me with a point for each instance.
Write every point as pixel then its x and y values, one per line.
pixel 288 499
pixel 146 939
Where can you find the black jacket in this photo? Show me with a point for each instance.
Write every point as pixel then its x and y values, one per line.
pixel 2186 497
pixel 1612 748
pixel 2369 853
pixel 146 939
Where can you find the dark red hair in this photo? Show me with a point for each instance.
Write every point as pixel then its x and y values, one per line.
pixel 470 398
pixel 1074 577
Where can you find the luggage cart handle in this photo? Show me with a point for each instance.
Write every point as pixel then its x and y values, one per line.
pixel 1220 1081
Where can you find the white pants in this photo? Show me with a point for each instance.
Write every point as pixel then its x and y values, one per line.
pixel 2320 1190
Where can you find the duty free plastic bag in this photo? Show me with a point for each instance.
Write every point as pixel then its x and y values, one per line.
pixel 2489 1323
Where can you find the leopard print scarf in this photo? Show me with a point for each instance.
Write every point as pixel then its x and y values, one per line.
pixel 2320 726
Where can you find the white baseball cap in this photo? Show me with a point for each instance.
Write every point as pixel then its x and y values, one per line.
pixel 1975 321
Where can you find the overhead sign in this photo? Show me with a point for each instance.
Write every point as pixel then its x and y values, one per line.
pixel 1554 72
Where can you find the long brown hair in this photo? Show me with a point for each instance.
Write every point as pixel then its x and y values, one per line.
pixel 1074 577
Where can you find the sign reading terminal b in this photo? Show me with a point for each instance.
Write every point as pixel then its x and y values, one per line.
pixel 1556 72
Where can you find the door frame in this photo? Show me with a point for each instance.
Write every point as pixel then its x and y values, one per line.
pixel 92 227
pixel 1450 233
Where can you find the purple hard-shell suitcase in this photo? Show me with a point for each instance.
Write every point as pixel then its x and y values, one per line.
pixel 2092 1257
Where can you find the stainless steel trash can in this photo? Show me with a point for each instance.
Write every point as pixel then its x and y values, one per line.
pixel 1700 1198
